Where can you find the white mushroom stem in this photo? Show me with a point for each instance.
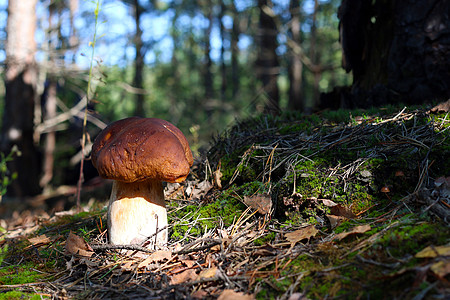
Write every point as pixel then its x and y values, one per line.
pixel 136 211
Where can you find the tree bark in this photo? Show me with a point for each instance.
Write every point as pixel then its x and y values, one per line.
pixel 20 84
pixel 234 51
pixel 138 81
pixel 397 50
pixel 317 72
pixel 295 66
pixel 267 64
pixel 207 73
pixel 50 137
pixel 223 67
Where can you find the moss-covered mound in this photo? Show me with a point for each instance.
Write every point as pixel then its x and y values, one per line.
pixel 337 205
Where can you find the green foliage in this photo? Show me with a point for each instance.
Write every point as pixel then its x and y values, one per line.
pixel 19 274
pixel 13 295
pixel 194 220
pixel 5 177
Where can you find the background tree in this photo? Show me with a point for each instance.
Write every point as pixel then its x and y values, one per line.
pixel 295 67
pixel 397 50
pixel 20 97
pixel 138 81
pixel 267 63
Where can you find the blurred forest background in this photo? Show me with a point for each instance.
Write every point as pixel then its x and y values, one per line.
pixel 200 64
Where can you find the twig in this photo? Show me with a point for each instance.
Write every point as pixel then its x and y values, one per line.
pixel 125 247
pixel 187 249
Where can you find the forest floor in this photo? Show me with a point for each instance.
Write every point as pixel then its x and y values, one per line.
pixel 340 205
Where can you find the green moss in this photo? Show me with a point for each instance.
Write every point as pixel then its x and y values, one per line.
pixel 13 295
pixel 195 219
pixel 344 226
pixel 265 239
pixel 411 237
pixel 19 274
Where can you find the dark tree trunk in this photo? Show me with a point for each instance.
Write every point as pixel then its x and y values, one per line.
pixel 50 136
pixel 20 84
pixel 174 84
pixel 223 67
pixel 138 81
pixel 295 63
pixel 207 73
pixel 234 51
pixel 317 70
pixel 397 50
pixel 267 64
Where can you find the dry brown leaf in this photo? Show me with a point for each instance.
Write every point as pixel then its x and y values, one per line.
pixel 127 266
pixel 154 257
pixel 339 210
pixel 75 245
pixel 355 230
pixel 261 202
pixel 232 295
pixel 328 203
pixel 207 273
pixel 301 234
pixel 200 294
pixel 441 268
pixel 335 220
pixel 188 263
pixel 201 189
pixel 441 107
pixel 217 175
pixel 184 276
pixel 434 251
pixel 38 241
pixel 297 296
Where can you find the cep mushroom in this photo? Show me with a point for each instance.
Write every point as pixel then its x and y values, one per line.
pixel 139 154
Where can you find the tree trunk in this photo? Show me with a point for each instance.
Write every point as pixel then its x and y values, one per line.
pixel 50 137
pixel 317 71
pixel 175 82
pixel 397 50
pixel 138 81
pixel 207 73
pixel 223 67
pixel 267 64
pixel 20 84
pixel 235 52
pixel 295 66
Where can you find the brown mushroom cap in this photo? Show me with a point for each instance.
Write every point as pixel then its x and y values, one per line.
pixel 137 149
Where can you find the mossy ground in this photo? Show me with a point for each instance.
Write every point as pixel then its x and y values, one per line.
pixel 299 161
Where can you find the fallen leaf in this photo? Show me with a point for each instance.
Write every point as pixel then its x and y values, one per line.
pixel 261 202
pixel 297 296
pixel 75 245
pixel 335 220
pixel 355 230
pixel 127 266
pixel 441 268
pixel 328 203
pixel 434 251
pixel 207 273
pixel 184 276
pixel 38 241
pixel 200 294
pixel 154 257
pixel 232 295
pixel 301 234
pixel 339 210
pixel 201 189
pixel 441 107
pixel 217 175
pixel 188 263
